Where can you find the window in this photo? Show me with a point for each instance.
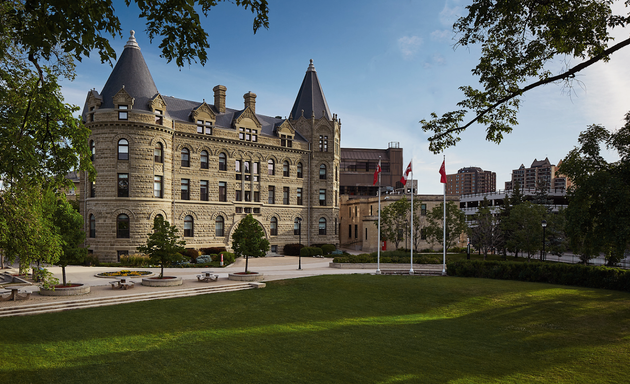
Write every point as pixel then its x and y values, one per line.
pixel 349 231
pixel 92 149
pixel 273 227
pixel 299 196
pixel 322 197
pixel 256 210
pixel 423 209
pixel 92 189
pixel 272 197
pixel 204 159
pixel 274 249
pixel 321 143
pixel 157 153
pixel 203 190
pixel 370 210
pixel 270 168
pixel 256 168
pixel 365 233
pixel 122 113
pixel 238 195
pixel 286 141
pixel 356 231
pixel 185 157
pixel 322 172
pixel 322 226
pixel 257 196
pixel 248 196
pixel 123 149
pixel 239 209
pixel 248 134
pixel 92 226
pixel 325 143
pixel 189 226
pixel 185 189
pixel 123 185
pixel 204 126
pixel 336 173
pixel 218 226
pixel 157 186
pixel 296 226
pixel 285 169
pixel 122 226
pixel 158 117
pixel 222 162
pixel 222 191
pixel 237 169
pixel 285 195
pixel 299 170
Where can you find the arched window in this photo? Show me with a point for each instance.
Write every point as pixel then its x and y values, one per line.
pixel 270 167
pixel 222 162
pixel 322 226
pixel 157 153
pixel 123 149
pixel 299 170
pixel 185 157
pixel 204 159
pixel 189 225
pixel 322 172
pixel 122 226
pixel 92 226
pixel 285 169
pixel 218 226
pixel 92 150
pixel 273 227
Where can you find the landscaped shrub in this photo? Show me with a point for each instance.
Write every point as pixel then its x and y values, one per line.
pixel 203 259
pixel 396 257
pixel 292 249
pixel 560 273
pixel 135 260
pixel 228 258
pixel 311 251
pixel 91 260
pixel 192 254
pixel 212 250
pixel 328 248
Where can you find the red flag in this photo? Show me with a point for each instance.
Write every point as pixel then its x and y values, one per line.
pixel 443 172
pixel 378 170
pixel 403 179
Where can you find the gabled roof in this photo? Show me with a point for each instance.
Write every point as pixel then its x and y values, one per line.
pixel 310 98
pixel 131 71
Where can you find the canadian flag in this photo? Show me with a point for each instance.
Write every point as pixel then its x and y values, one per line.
pixel 443 172
pixel 378 170
pixel 403 179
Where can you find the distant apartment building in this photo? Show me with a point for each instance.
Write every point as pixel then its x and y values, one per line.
pixel 471 180
pixel 541 174
pixel 356 176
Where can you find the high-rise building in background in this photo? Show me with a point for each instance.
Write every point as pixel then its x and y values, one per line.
pixel 541 174
pixel 471 180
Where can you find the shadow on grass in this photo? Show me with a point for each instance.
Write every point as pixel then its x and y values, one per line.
pixel 334 329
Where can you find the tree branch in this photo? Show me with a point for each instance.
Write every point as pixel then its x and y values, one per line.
pixel 569 73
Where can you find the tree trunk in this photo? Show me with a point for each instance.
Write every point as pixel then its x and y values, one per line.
pixel 246 262
pixel 63 273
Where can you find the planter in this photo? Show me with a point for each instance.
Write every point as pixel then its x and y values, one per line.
pixel 166 281
pixel 71 290
pixel 249 276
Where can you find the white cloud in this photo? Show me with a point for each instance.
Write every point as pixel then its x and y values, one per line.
pixel 409 45
pixel 435 60
pixel 451 12
pixel 442 35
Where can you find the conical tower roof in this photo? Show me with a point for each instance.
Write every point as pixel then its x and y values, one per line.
pixel 310 98
pixel 131 71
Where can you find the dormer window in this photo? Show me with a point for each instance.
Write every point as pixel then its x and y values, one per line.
pixel 248 134
pixel 286 141
pixel 159 117
pixel 204 126
pixel 122 112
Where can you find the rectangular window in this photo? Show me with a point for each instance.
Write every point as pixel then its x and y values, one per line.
pixel 248 196
pixel 285 195
pixel 123 185
pixel 256 210
pixel 325 143
pixel 349 231
pixel 199 126
pixel 157 186
pixel 423 209
pixel 365 233
pixel 208 127
pixel 123 115
pixel 222 191
pixel 238 195
pixel 257 196
pixel 248 210
pixel 158 117
pixel 203 190
pixel 322 197
pixel 272 192
pixel 185 190
pixel 356 231
pixel 239 209
pixel 92 189
pixel 321 143
pixel 299 196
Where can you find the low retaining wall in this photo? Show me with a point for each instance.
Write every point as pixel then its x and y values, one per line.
pixel 162 282
pixel 247 277
pixel 69 291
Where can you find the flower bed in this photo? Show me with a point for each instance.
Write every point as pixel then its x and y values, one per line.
pixel 124 272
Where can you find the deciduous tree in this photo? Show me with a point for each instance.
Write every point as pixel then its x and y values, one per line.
pixel 163 245
pixel 249 239
pixel 455 224
pixel 69 222
pixel 394 221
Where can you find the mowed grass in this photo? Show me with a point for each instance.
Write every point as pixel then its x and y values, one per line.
pixel 334 329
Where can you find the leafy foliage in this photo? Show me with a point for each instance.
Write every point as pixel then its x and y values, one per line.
pixel 69 223
pixel 486 233
pixel 163 245
pixel 394 221
pixel 249 239
pixel 525 227
pixel 455 224
pixel 519 39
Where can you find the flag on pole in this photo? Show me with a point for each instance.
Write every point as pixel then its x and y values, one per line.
pixel 378 170
pixel 443 172
pixel 403 179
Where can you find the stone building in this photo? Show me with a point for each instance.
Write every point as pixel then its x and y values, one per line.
pixel 541 174
pixel 203 166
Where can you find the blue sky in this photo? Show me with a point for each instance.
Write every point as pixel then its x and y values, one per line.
pixel 384 66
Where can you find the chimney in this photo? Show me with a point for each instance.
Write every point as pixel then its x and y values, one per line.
pixel 250 101
pixel 219 98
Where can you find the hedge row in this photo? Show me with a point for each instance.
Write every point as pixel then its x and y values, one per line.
pixel 311 251
pixel 292 249
pixel 389 257
pixel 554 273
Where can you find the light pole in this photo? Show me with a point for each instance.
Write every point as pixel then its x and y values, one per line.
pixel 542 253
pixel 299 219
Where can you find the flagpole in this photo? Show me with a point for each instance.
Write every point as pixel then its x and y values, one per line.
pixel 444 239
pixel 378 246
pixel 411 198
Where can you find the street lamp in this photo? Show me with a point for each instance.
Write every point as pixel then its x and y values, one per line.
pixel 542 253
pixel 299 220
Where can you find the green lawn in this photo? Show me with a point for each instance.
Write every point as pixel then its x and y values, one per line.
pixel 334 329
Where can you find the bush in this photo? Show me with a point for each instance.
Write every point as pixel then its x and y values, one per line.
pixel 564 274
pixel 228 258
pixel 91 260
pixel 135 260
pixel 192 254
pixel 396 257
pixel 204 259
pixel 328 248
pixel 292 249
pixel 212 250
pixel 311 251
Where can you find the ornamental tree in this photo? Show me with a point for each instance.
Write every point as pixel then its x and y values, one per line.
pixel 163 245
pixel 455 224
pixel 249 239
pixel 69 223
